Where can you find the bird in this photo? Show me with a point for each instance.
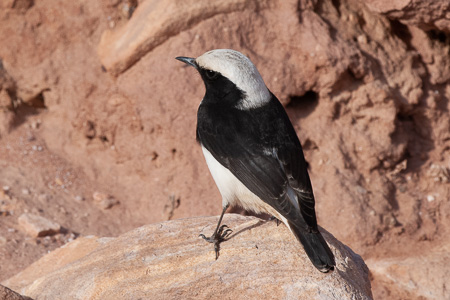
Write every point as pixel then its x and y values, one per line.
pixel 253 152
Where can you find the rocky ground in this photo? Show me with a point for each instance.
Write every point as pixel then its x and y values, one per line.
pixel 163 259
pixel 97 121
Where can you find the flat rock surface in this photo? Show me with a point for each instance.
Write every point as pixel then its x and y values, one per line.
pixel 37 226
pixel 260 260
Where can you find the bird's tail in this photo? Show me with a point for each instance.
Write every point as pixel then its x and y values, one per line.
pixel 316 248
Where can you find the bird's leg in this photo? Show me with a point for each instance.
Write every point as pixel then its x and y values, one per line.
pixel 219 234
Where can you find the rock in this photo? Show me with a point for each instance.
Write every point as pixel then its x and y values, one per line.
pixel 434 52
pixel 37 226
pixel 7 88
pixel 21 5
pixel 431 14
pixel 260 260
pixel 154 22
pixel 425 275
pixel 7 294
pixel 5 100
pixel 4 195
pixel 104 201
pixel 78 198
pixel 367 91
pixel 6 80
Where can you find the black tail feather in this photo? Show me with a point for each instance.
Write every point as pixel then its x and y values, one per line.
pixel 316 248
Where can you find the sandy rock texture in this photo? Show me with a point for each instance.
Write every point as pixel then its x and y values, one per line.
pixel 8 294
pixel 92 100
pixel 415 274
pixel 260 260
pixel 428 15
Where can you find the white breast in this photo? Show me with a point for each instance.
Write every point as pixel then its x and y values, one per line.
pixel 233 191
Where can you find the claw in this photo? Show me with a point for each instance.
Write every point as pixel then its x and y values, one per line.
pixel 218 238
pixel 219 235
pixel 222 233
pixel 226 233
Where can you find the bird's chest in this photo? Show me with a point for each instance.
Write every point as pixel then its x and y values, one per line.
pixel 217 118
pixel 232 125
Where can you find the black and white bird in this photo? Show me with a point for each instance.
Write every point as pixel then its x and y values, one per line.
pixel 253 152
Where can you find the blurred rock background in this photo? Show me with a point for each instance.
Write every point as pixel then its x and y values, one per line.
pixel 97 121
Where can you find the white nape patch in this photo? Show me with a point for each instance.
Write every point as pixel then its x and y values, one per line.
pixel 241 71
pixel 233 191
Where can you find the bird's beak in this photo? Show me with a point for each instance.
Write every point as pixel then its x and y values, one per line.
pixel 188 60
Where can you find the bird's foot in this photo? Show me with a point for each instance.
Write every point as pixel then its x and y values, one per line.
pixel 218 238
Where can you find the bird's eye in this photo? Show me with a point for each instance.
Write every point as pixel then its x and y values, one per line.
pixel 211 74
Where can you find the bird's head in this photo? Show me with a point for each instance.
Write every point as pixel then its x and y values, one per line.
pixel 230 76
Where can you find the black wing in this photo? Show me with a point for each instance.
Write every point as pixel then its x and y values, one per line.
pixel 260 147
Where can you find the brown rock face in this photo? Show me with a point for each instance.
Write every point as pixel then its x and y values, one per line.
pixel 155 22
pixel 365 83
pixel 7 97
pixel 260 260
pixel 432 14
